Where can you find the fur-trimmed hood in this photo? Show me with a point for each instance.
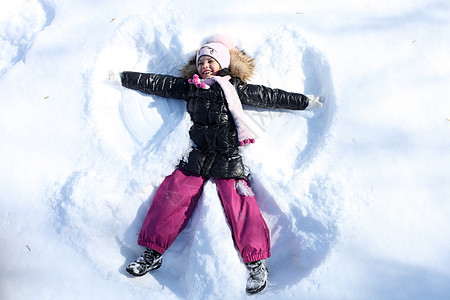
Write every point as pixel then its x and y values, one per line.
pixel 241 65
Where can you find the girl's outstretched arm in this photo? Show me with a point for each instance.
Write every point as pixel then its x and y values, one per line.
pixel 262 96
pixel 156 84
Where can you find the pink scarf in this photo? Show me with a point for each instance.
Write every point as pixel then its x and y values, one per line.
pixel 234 104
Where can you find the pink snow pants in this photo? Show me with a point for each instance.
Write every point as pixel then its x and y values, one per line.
pixel 174 203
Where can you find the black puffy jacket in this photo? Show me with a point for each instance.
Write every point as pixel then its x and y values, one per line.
pixel 215 153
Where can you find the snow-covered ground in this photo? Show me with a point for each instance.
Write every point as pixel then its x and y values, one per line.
pixel 356 194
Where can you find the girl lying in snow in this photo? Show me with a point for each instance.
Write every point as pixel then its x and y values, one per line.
pixel 213 84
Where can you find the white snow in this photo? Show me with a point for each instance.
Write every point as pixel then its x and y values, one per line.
pixel 356 194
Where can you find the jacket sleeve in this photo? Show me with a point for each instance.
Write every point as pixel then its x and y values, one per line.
pixel 156 84
pixel 261 96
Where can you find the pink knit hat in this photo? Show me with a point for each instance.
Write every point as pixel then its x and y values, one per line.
pixel 216 50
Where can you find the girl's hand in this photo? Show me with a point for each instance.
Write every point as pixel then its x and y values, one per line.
pixel 314 102
pixel 115 77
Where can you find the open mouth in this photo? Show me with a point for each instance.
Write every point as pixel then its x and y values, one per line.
pixel 206 73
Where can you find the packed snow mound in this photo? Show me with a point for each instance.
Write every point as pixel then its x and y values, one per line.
pixel 19 22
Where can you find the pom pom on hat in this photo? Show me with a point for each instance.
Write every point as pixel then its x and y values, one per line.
pixel 224 39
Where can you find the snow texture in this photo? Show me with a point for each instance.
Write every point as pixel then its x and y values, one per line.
pixel 356 193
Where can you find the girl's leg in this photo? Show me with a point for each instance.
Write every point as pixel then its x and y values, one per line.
pixel 250 232
pixel 172 206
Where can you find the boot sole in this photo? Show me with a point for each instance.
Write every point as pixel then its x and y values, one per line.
pixel 252 292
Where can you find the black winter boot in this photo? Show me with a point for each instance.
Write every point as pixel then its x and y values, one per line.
pixel 257 276
pixel 148 261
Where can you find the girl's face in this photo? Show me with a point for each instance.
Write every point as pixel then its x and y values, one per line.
pixel 207 67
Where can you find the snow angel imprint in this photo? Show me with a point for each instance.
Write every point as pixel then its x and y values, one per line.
pixel 213 84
